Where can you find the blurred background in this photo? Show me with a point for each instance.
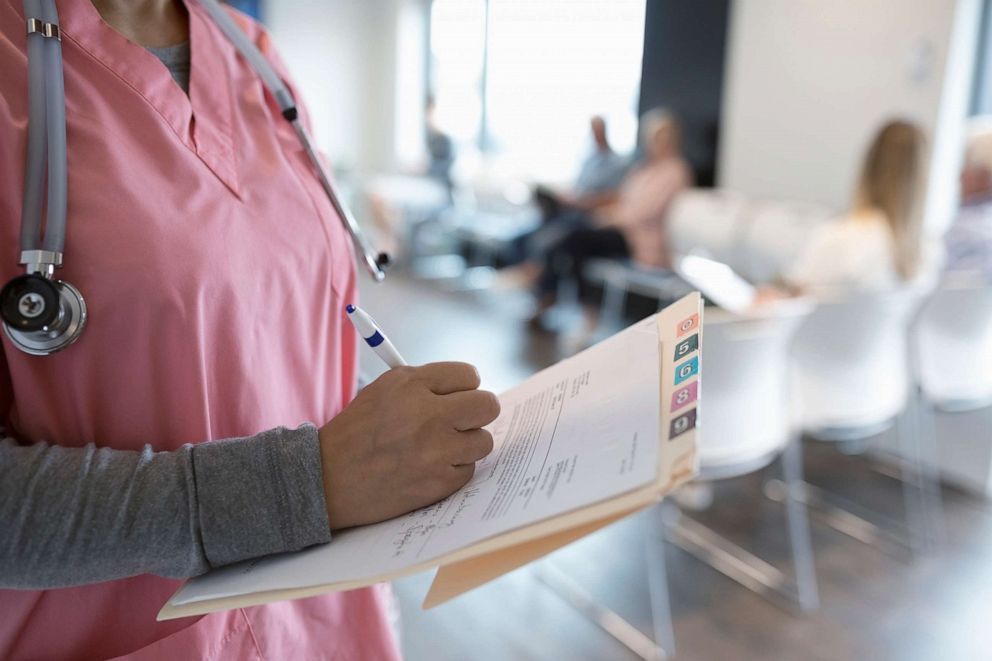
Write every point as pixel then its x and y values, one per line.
pixel 545 172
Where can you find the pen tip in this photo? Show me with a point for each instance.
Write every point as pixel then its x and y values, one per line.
pixel 350 308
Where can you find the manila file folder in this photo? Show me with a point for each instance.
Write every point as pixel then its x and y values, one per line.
pixel 577 446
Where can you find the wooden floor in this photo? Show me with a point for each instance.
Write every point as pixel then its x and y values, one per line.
pixel 874 606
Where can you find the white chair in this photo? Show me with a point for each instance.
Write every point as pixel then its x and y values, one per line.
pixel 773 236
pixel 953 348
pixel 745 426
pixel 852 383
pixel 952 343
pixel 622 278
pixel 708 221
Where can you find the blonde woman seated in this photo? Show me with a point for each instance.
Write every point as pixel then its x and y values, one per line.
pixel 876 246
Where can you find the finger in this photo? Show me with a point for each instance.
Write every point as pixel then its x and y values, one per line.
pixel 445 378
pixel 460 476
pixel 468 447
pixel 470 409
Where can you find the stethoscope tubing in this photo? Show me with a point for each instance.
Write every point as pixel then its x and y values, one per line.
pixel 46 144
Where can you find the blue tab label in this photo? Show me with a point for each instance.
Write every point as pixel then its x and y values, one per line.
pixel 686 370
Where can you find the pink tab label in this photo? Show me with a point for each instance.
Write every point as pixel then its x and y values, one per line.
pixel 685 396
pixel 687 325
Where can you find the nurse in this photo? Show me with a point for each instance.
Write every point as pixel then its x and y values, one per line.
pixel 208 414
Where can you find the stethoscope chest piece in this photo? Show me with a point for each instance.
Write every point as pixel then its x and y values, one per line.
pixel 42 316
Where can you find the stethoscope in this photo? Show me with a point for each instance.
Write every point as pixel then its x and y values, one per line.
pixel 42 315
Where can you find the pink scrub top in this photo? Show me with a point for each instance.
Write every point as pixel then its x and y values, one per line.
pixel 215 272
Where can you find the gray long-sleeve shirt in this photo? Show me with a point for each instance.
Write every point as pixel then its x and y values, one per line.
pixel 71 516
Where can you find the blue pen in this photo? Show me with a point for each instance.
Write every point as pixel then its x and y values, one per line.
pixel 374 337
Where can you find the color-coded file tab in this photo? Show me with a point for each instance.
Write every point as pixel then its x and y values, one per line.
pixel 685 396
pixel 686 370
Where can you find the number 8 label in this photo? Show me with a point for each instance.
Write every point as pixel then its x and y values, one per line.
pixel 685 395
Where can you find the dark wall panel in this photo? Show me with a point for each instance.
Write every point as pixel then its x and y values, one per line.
pixel 685 43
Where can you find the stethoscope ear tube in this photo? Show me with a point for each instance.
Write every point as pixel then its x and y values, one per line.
pixel 374 261
pixel 40 315
pixel 46 132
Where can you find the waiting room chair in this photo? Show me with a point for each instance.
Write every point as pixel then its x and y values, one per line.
pixel 744 426
pixel 708 220
pixel 851 381
pixel 953 348
pixel 773 235
pixel 620 278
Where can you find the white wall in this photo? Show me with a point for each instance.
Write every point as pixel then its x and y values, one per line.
pixel 343 55
pixel 809 81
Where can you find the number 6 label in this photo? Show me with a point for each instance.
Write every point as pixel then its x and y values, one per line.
pixel 686 370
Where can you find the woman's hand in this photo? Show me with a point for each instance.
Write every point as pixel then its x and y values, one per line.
pixel 409 439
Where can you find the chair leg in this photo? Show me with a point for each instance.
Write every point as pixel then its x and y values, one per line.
pixel 913 480
pixel 929 450
pixel 661 607
pixel 845 517
pixel 623 631
pixel 797 517
pixel 614 296
pixel 748 569
pixel 568 287
pixel 920 483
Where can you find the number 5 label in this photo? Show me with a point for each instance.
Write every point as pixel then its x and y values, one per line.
pixel 686 346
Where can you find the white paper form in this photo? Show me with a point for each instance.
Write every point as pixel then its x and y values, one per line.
pixel 580 432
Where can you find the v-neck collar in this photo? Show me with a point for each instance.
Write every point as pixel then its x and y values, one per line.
pixel 202 121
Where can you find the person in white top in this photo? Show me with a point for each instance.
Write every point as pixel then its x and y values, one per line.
pixel 876 246
pixel 968 241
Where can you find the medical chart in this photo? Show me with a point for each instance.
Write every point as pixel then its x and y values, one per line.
pixel 577 433
pixel 577 446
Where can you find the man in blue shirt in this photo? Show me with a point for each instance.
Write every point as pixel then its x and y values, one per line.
pixel 597 182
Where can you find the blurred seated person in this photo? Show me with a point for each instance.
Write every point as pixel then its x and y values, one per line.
pixel 597 182
pixel 876 245
pixel 422 192
pixel 968 241
pixel 632 227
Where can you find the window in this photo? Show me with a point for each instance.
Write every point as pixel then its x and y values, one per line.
pixel 519 79
pixel 457 38
pixel 981 103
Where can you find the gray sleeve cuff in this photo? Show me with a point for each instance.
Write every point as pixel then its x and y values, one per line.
pixel 261 494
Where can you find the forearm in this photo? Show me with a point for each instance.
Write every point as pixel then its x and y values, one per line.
pixel 595 201
pixel 72 516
